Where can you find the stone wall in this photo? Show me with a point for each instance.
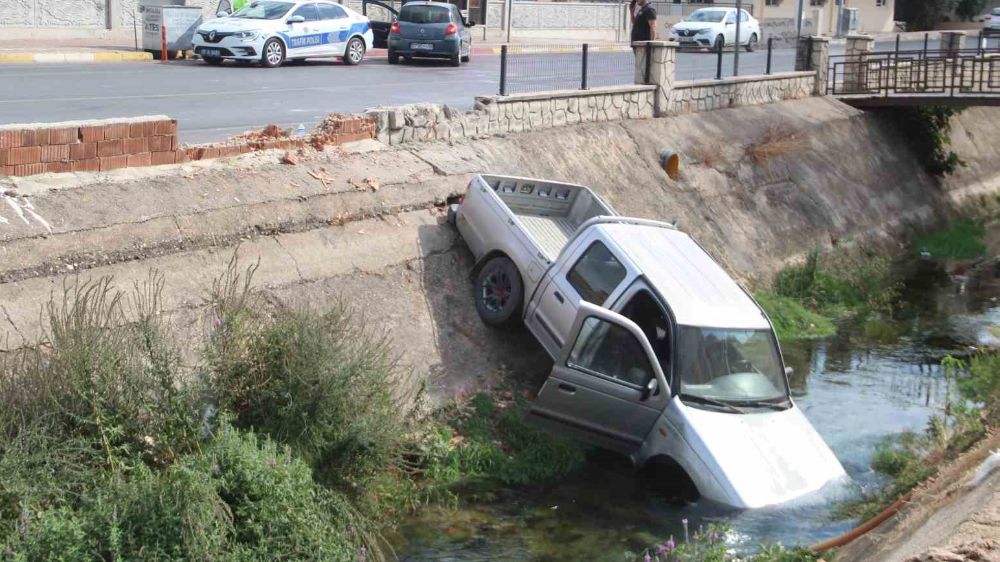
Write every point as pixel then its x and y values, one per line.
pixel 512 114
pixel 706 95
pixel 53 13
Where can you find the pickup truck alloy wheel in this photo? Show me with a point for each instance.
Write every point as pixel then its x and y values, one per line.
pixel 355 51
pixel 274 53
pixel 499 292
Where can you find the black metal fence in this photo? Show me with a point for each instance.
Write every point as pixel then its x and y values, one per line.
pixel 914 73
pixel 538 68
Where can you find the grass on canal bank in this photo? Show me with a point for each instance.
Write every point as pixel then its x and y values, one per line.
pixel 971 409
pixel 806 300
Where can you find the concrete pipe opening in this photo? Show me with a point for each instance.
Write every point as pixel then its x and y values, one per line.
pixel 670 161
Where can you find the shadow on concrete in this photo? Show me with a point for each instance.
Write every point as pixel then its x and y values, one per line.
pixel 474 357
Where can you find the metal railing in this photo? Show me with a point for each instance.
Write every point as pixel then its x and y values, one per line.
pixel 923 72
pixel 538 68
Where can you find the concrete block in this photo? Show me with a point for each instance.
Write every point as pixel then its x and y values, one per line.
pixel 29 169
pixel 109 148
pixel 54 152
pixel 24 155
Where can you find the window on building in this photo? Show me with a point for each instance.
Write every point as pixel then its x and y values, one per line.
pixel 772 2
pixel 880 2
pixel 817 2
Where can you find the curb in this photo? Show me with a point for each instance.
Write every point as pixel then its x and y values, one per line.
pixel 529 50
pixel 75 57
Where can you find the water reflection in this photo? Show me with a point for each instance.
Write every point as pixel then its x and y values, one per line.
pixel 874 379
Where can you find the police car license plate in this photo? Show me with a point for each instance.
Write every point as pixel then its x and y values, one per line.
pixel 211 52
pixel 422 46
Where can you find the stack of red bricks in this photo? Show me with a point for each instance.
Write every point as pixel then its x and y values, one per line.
pixel 89 146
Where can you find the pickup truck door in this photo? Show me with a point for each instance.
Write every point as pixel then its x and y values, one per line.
pixel 599 387
pixel 590 271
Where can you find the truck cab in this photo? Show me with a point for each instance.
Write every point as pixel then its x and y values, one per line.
pixel 658 353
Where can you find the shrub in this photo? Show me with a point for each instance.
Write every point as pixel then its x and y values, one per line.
pixel 774 141
pixel 316 381
pixel 863 285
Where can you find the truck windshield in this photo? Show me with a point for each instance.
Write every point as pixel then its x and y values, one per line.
pixel 730 368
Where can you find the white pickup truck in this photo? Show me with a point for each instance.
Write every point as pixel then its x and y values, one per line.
pixel 658 353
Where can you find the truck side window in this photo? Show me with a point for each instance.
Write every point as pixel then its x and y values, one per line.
pixel 610 350
pixel 646 312
pixel 596 274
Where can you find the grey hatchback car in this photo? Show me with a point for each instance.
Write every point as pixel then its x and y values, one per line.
pixel 430 29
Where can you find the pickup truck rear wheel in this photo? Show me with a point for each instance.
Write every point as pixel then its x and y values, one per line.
pixel 499 293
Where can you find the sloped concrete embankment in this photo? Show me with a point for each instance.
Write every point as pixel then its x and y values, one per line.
pixel 759 186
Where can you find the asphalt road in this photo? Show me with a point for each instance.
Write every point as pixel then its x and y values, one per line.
pixel 213 103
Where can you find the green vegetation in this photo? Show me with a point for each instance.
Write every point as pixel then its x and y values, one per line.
pixel 909 459
pixel 708 545
pixel 926 127
pixel 923 14
pixel 807 298
pixel 968 9
pixel 490 439
pixel 963 240
pixel 793 320
pixel 284 443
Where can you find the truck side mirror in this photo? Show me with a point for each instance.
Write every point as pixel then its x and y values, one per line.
pixel 789 371
pixel 652 387
pixel 222 14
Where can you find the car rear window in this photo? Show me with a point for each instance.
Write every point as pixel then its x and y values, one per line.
pixel 425 14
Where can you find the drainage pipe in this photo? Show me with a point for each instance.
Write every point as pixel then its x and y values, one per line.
pixel 861 529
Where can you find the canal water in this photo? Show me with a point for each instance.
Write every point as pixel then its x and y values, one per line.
pixel 873 380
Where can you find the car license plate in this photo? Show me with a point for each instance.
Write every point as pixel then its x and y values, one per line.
pixel 211 52
pixel 422 46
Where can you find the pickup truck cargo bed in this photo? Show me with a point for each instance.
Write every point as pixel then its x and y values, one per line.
pixel 550 212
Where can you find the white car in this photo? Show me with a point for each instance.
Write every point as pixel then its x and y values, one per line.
pixel 991 25
pixel 715 28
pixel 272 32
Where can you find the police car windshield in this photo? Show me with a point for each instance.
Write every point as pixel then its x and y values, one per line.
pixel 425 14
pixel 711 16
pixel 264 10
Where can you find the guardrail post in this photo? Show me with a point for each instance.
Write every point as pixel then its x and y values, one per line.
pixel 813 53
pixel 503 70
pixel 856 66
pixel 770 47
pixel 583 71
pixel 163 43
pixel 952 42
pixel 718 61
pixel 655 65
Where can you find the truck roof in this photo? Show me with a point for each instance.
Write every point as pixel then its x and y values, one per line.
pixel 697 289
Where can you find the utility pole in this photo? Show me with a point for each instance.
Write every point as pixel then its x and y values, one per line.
pixel 736 44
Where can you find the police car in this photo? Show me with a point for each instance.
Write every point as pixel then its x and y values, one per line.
pixel 273 31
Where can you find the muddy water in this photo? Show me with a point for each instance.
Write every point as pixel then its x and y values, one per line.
pixel 871 381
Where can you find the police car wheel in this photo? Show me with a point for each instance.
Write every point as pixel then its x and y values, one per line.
pixel 273 53
pixel 355 52
pixel 214 61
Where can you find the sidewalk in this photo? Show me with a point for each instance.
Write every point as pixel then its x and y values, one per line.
pixel 81 50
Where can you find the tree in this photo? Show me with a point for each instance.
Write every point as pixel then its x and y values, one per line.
pixel 923 14
pixel 967 9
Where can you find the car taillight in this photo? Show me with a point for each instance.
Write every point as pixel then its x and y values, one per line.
pixel 451 29
pixel 394 28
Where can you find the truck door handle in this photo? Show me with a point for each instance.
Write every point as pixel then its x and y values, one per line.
pixel 558 297
pixel 567 388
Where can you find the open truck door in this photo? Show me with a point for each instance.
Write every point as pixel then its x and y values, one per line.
pixel 606 386
pixel 381 16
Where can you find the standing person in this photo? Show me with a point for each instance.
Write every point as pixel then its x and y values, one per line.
pixel 643 20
